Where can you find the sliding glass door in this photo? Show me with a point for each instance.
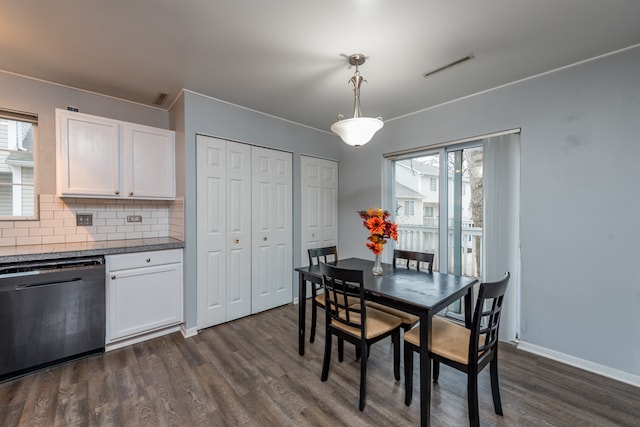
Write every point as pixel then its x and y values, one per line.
pixel 464 195
pixel 461 202
pixel 417 201
pixel 444 184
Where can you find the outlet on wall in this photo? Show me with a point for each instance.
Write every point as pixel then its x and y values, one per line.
pixel 85 219
pixel 134 218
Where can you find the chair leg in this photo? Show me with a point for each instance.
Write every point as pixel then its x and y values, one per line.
pixel 363 378
pixel 314 318
pixel 327 357
pixel 340 350
pixel 436 370
pixel 395 338
pixel 495 387
pixel 472 398
pixel 408 374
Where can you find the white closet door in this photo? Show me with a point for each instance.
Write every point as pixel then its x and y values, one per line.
pixel 239 216
pixel 272 229
pixel 319 204
pixel 223 230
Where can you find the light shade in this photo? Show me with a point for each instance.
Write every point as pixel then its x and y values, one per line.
pixel 358 130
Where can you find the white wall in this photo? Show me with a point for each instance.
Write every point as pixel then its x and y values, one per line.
pixel 580 151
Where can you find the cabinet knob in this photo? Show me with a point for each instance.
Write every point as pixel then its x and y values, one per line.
pixel 117 192
pixel 148 259
pixel 236 241
pixel 113 277
pixel 131 193
pixel 264 238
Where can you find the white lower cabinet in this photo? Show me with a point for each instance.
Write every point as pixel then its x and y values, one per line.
pixel 144 295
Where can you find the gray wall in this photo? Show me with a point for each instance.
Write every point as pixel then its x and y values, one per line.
pixel 207 116
pixel 579 203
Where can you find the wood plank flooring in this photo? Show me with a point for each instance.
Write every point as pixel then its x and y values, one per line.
pixel 248 373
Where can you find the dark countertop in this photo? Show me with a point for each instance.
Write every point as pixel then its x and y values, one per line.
pixel 11 254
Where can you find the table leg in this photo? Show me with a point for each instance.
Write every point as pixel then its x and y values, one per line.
pixel 302 308
pixel 425 369
pixel 468 301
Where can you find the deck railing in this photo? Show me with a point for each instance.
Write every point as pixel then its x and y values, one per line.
pixel 425 239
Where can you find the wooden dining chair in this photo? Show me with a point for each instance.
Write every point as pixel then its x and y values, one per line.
pixel 357 323
pixel 408 320
pixel 467 350
pixel 409 256
pixel 316 256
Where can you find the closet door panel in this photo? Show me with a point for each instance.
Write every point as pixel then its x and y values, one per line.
pixel 272 183
pixel 211 229
pixel 319 205
pixel 238 204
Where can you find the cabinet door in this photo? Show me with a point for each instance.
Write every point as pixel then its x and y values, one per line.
pixel 88 155
pixel 149 162
pixel 143 299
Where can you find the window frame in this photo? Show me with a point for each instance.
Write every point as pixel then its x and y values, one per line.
pixel 18 116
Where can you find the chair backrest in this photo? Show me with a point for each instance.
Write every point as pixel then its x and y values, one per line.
pixel 342 286
pixel 318 255
pixel 418 257
pixel 486 318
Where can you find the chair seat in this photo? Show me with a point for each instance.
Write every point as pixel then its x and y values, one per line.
pixel 407 318
pixel 320 300
pixel 378 323
pixel 448 339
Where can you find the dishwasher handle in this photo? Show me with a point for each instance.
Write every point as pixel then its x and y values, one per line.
pixel 40 267
pixel 43 284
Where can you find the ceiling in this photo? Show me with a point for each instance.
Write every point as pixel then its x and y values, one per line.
pixel 288 58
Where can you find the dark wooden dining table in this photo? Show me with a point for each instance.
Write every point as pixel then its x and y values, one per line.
pixel 421 293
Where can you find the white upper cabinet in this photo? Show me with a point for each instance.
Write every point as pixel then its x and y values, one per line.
pixel 149 162
pixel 104 158
pixel 88 161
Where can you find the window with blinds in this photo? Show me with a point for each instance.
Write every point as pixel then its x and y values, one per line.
pixel 17 165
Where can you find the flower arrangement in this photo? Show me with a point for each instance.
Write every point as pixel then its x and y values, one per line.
pixel 380 228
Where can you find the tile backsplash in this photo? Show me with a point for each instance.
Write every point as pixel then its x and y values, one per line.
pixel 57 223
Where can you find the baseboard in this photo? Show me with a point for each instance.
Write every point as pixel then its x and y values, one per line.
pixel 295 301
pixel 139 338
pixel 596 368
pixel 187 333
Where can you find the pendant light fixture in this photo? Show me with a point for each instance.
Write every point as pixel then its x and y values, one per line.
pixel 358 130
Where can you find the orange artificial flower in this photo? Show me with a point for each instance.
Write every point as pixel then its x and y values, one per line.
pixel 380 227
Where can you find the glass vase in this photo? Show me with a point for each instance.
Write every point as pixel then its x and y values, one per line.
pixel 377 267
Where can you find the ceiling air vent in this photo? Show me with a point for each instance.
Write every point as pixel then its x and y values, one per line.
pixel 160 98
pixel 453 64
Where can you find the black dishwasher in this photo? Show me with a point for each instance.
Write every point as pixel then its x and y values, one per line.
pixel 50 312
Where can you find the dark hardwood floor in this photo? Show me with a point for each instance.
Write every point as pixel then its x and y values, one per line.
pixel 248 373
